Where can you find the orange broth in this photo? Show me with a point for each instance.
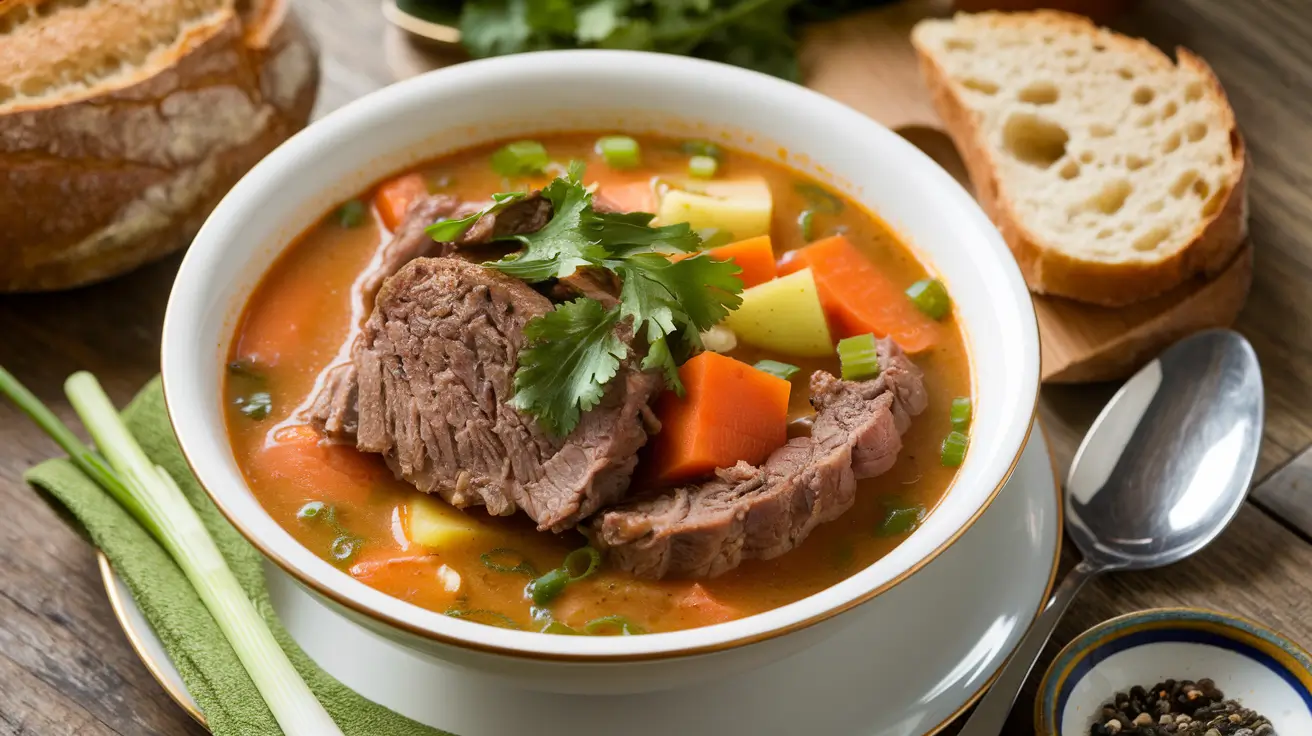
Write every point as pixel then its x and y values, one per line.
pixel 301 313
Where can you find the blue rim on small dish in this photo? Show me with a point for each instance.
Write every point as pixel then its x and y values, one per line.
pixel 1287 660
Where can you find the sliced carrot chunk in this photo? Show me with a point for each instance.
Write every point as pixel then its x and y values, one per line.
pixel 393 198
pixel 323 472
pixel 634 196
pixel 730 411
pixel 858 297
pixel 710 609
pixel 755 256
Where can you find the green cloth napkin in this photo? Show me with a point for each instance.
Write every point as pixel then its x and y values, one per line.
pixel 203 657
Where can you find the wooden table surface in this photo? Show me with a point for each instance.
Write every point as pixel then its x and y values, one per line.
pixel 66 668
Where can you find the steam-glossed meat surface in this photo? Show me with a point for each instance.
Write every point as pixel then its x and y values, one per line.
pixel 435 366
pixel 760 512
pixel 333 410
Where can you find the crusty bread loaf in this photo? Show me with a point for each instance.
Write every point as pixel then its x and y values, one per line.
pixel 123 122
pixel 1113 173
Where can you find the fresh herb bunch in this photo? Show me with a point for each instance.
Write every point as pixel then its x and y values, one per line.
pixel 573 352
pixel 757 34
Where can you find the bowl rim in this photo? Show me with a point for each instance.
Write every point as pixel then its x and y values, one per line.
pixel 950 189
pixel 1152 619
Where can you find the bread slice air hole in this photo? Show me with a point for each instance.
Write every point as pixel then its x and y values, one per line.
pixel 1193 92
pixel 1099 130
pixel 1125 74
pixel 1111 198
pixel 1169 110
pixel 1172 143
pixel 959 44
pixel 1105 233
pixel 1034 140
pixel 1134 162
pixel 1146 119
pixel 1155 207
pixel 1086 157
pixel 1183 182
pixel 1143 96
pixel 1069 170
pixel 983 86
pixel 1151 239
pixel 1202 189
pixel 1195 131
pixel 1039 93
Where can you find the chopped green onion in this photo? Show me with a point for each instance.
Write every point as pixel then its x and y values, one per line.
pixel 257 405
pixel 777 369
pixel 598 626
pixel 547 588
pixel 954 449
pixel 701 148
pixel 556 627
pixel 820 199
pixel 859 357
pixel 344 548
pixel 587 558
pixel 930 297
pixel 521 158
pixel 152 496
pixel 702 167
pixel 312 511
pixel 351 213
pixel 960 413
pixel 806 223
pixel 619 151
pixel 484 616
pixel 714 238
pixel 517 563
pixel 902 520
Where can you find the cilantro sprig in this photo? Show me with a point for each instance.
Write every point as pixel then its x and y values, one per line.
pixel 573 352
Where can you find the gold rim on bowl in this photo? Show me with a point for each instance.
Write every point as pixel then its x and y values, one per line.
pixel 186 703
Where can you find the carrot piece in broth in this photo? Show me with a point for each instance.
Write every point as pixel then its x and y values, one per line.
pixel 394 197
pixel 710 609
pixel 858 297
pixel 322 472
pixel 730 411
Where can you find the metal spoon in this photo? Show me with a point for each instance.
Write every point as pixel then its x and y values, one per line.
pixel 1161 473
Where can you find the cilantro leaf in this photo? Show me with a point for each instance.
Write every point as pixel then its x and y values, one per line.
pixel 630 232
pixel 447 231
pixel 562 245
pixel 571 353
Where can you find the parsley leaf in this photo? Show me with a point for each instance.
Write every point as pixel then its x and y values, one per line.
pixel 573 352
pixel 570 354
pixel 447 231
pixel 561 246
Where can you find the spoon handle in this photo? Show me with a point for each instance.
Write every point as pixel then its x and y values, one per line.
pixel 989 718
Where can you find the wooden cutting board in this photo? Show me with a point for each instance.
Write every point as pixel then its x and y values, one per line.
pixel 867 62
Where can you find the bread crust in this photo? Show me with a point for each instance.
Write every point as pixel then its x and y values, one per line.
pixel 99 185
pixel 1054 272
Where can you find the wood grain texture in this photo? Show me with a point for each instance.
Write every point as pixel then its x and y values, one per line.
pixel 66 669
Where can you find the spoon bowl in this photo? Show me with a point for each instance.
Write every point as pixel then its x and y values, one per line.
pixel 1167 464
pixel 1161 473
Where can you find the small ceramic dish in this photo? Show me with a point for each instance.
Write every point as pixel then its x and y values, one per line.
pixel 428 29
pixel 1250 663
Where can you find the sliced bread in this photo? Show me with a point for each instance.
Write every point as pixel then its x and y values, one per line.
pixel 1113 173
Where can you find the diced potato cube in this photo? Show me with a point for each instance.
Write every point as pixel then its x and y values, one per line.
pixel 431 522
pixel 784 315
pixel 741 207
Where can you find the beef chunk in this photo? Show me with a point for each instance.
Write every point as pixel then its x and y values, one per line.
pixel 435 365
pixel 333 409
pixel 760 512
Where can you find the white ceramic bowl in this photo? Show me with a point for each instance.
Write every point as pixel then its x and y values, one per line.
pixel 472 103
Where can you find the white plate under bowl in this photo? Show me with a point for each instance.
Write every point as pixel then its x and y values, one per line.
pixel 933 645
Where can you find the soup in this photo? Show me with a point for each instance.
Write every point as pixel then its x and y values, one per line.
pixel 356 372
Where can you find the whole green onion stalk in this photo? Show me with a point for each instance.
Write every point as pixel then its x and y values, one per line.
pixel 151 495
